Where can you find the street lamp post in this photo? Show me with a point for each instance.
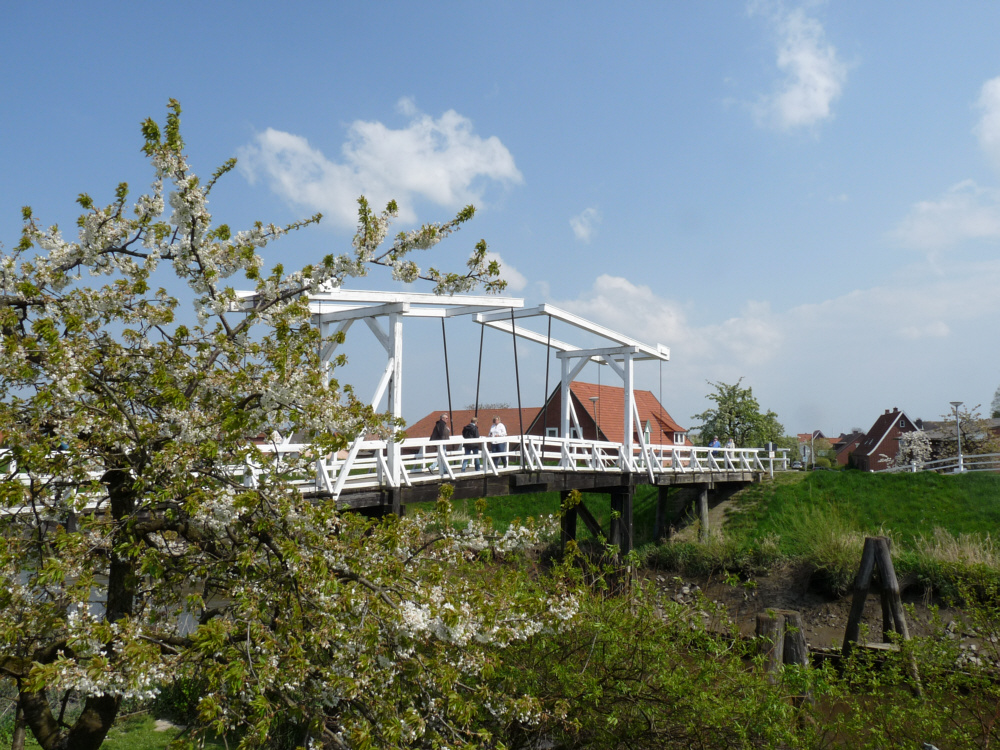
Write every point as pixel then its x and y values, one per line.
pixel 958 432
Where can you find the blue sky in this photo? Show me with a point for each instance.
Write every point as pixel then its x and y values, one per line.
pixel 803 195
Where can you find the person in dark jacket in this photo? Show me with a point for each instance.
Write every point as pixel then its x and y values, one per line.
pixel 471 432
pixel 441 431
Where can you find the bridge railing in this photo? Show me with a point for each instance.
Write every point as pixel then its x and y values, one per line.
pixel 950 465
pixel 366 464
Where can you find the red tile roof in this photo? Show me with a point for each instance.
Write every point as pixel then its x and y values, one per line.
pixel 461 417
pixel 609 410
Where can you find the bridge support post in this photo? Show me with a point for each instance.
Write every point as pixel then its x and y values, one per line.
pixel 568 520
pixel 703 513
pixel 621 518
pixel 660 525
pixel 397 502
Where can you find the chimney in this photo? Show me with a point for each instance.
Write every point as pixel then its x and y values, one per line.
pixel 886 411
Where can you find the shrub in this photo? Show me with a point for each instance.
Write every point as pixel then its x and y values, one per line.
pixel 720 553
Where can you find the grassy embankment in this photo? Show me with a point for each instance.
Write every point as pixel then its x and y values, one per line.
pixel 940 525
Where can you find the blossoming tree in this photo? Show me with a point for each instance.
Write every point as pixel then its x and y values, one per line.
pixel 132 553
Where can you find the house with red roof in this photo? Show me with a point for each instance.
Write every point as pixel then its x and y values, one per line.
pixel 882 439
pixel 600 415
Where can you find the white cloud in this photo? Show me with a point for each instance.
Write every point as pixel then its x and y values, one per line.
pixel 933 329
pixel 813 76
pixel 440 160
pixel 514 278
pixel 826 364
pixel 636 310
pixel 965 212
pixel 585 223
pixel 988 127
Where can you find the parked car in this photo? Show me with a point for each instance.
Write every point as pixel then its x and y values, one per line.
pixel 797 465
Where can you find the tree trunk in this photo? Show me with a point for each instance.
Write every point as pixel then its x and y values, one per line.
pixel 17 742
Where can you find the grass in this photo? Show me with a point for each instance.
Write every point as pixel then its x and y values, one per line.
pixel 910 505
pixel 137 732
pixel 938 523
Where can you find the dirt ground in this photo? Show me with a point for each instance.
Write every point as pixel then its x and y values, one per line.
pixel 824 619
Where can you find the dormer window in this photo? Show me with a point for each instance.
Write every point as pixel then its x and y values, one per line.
pixel 679 438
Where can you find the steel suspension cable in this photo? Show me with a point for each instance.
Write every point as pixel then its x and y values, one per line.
pixel 479 371
pixel 545 396
pixel 517 380
pixel 447 377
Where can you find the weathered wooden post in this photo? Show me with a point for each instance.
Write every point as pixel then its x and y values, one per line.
pixel 876 562
pixel 771 629
pixel 660 525
pixel 703 513
pixel 568 521
pixel 621 517
pixel 796 650
pixel 782 629
pixel 862 583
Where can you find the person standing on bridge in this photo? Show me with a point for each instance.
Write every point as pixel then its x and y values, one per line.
pixel 715 444
pixel 441 431
pixel 471 432
pixel 498 430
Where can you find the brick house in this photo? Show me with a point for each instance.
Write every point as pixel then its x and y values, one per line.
pixel 846 445
pixel 882 438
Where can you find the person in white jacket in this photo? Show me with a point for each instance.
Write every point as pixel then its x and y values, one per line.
pixel 497 430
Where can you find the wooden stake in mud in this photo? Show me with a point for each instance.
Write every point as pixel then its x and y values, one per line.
pixel 876 564
pixel 783 641
pixel 771 628
pixel 796 650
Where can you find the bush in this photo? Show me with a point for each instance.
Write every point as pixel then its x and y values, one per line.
pixel 638 671
pixel 720 553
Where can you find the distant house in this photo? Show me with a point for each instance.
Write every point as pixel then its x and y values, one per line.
pixel 806 443
pixel 846 445
pixel 882 439
pixel 600 415
pixel 942 436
